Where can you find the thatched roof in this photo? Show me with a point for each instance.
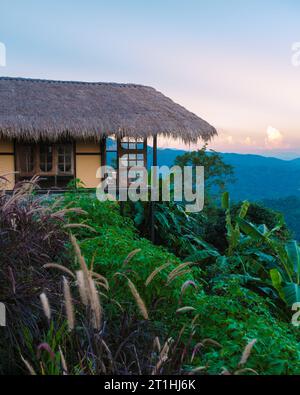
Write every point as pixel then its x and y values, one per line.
pixel 39 109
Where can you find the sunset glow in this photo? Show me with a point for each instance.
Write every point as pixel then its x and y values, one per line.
pixel 204 55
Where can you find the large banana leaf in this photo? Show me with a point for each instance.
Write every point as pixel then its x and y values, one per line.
pixel 225 201
pixel 161 218
pixel 276 279
pixel 293 254
pixel 201 255
pixel 263 229
pixel 251 230
pixel 202 243
pixel 268 259
pixel 244 209
pixel 291 293
pixel 278 226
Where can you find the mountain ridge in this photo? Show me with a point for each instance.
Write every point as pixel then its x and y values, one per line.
pixel 257 177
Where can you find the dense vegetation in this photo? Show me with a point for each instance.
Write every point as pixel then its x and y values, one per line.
pixel 290 208
pixel 270 181
pixel 87 293
pixel 256 177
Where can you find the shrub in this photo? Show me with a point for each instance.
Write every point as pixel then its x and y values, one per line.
pixel 132 343
pixel 31 235
pixel 130 307
pixel 221 308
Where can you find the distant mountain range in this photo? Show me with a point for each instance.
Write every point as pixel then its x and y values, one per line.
pixel 257 177
pixel 273 182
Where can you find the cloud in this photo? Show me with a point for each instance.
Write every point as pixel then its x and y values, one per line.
pixel 230 140
pixel 249 142
pixel 274 138
pixel 226 139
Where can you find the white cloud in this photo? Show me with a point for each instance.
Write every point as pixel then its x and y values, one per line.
pixel 229 139
pixel 249 142
pixel 274 138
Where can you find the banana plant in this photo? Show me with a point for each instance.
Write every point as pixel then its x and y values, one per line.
pixel 233 231
pixel 285 275
pixel 288 278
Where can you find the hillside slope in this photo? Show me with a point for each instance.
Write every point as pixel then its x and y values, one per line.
pixel 257 177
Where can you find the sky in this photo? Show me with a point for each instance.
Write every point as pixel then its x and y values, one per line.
pixel 234 63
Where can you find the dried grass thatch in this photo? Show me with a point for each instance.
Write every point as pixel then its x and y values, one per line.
pixel 33 109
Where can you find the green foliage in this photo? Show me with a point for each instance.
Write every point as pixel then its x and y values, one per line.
pixel 285 273
pixel 218 299
pixel 234 302
pixel 76 184
pixel 181 232
pixel 233 231
pixel 47 352
pixel 236 316
pixel 290 208
pixel 259 214
pixel 217 172
pixel 117 237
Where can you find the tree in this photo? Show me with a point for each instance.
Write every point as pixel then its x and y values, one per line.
pixel 217 172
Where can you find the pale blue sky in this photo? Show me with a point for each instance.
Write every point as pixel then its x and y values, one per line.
pixel 228 61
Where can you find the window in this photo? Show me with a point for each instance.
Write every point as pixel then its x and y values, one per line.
pixel 111 152
pixel 65 155
pixel 54 163
pixel 133 153
pixel 129 160
pixel 46 158
pixel 26 159
pixel 129 143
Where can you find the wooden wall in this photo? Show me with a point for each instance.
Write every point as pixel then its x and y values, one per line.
pixel 88 160
pixel 7 164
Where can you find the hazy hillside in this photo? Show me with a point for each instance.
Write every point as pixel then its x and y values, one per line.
pixel 257 177
pixel 290 207
pixel 273 182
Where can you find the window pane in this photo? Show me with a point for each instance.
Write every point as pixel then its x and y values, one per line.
pixel 26 159
pixel 61 150
pixel 112 159
pixel 46 157
pixel 124 160
pixel 65 158
pixel 111 144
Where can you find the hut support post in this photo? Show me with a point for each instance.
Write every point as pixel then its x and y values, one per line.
pixel 152 204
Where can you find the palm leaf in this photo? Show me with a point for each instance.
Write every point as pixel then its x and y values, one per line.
pixel 293 255
pixel 276 279
pixel 291 293
pixel 244 209
pixel 225 201
pixel 251 230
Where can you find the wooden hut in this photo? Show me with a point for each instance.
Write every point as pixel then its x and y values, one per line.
pixel 59 130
